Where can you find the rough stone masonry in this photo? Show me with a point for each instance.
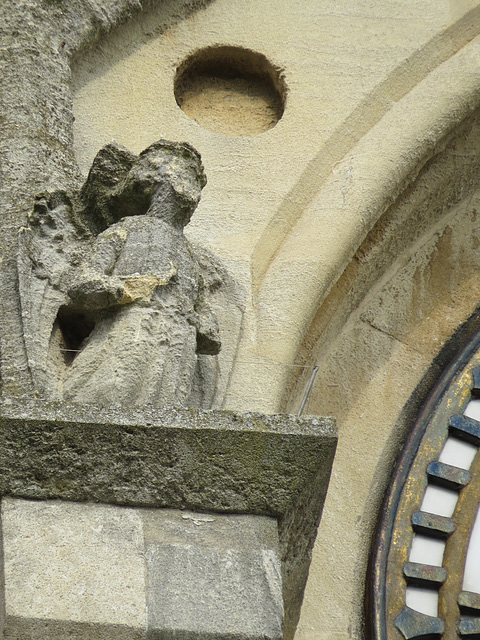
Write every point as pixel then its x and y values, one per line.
pixel 94 491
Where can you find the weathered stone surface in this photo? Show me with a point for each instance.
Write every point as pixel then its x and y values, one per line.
pixel 202 460
pixel 22 629
pixel 36 141
pixel 353 72
pixel 100 571
pixel 211 576
pixel 114 303
pixel 216 460
pixel 73 569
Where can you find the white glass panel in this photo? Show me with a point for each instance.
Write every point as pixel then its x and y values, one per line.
pixel 471 576
pixel 427 550
pixel 458 453
pixel 473 410
pixel 422 600
pixel 439 500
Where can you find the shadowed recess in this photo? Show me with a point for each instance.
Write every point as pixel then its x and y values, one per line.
pixel 231 90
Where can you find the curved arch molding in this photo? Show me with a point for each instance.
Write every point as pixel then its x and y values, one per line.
pixel 325 237
pixel 404 517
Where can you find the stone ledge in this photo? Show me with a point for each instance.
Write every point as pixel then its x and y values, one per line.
pixel 179 458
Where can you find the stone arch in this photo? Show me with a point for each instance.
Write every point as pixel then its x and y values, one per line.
pixel 365 164
pixel 368 113
pixel 357 193
pixel 383 168
pixel 384 334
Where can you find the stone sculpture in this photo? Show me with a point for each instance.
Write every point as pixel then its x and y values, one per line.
pixel 112 279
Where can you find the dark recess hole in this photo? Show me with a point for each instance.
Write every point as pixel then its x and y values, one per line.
pixel 75 327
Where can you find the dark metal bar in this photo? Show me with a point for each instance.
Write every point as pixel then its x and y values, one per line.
pixel 465 429
pixel 476 382
pixel 413 625
pixel 432 525
pixel 424 575
pixel 469 628
pixel 445 475
pixel 469 603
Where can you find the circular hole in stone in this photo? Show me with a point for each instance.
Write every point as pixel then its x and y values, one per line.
pixel 231 90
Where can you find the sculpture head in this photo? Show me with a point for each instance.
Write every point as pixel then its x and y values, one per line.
pixel 166 180
pixel 178 165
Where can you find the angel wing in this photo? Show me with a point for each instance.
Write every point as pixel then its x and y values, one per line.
pixel 49 248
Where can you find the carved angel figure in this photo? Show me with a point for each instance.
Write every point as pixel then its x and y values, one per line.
pixel 130 299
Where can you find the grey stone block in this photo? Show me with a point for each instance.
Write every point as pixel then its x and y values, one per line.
pixel 29 629
pixel 211 576
pixel 181 458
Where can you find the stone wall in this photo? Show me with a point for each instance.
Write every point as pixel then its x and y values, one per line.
pixel 348 228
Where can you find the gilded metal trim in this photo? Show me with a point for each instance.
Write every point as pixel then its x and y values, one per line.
pixel 402 518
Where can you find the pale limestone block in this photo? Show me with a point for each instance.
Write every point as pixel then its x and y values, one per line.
pixel 73 568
